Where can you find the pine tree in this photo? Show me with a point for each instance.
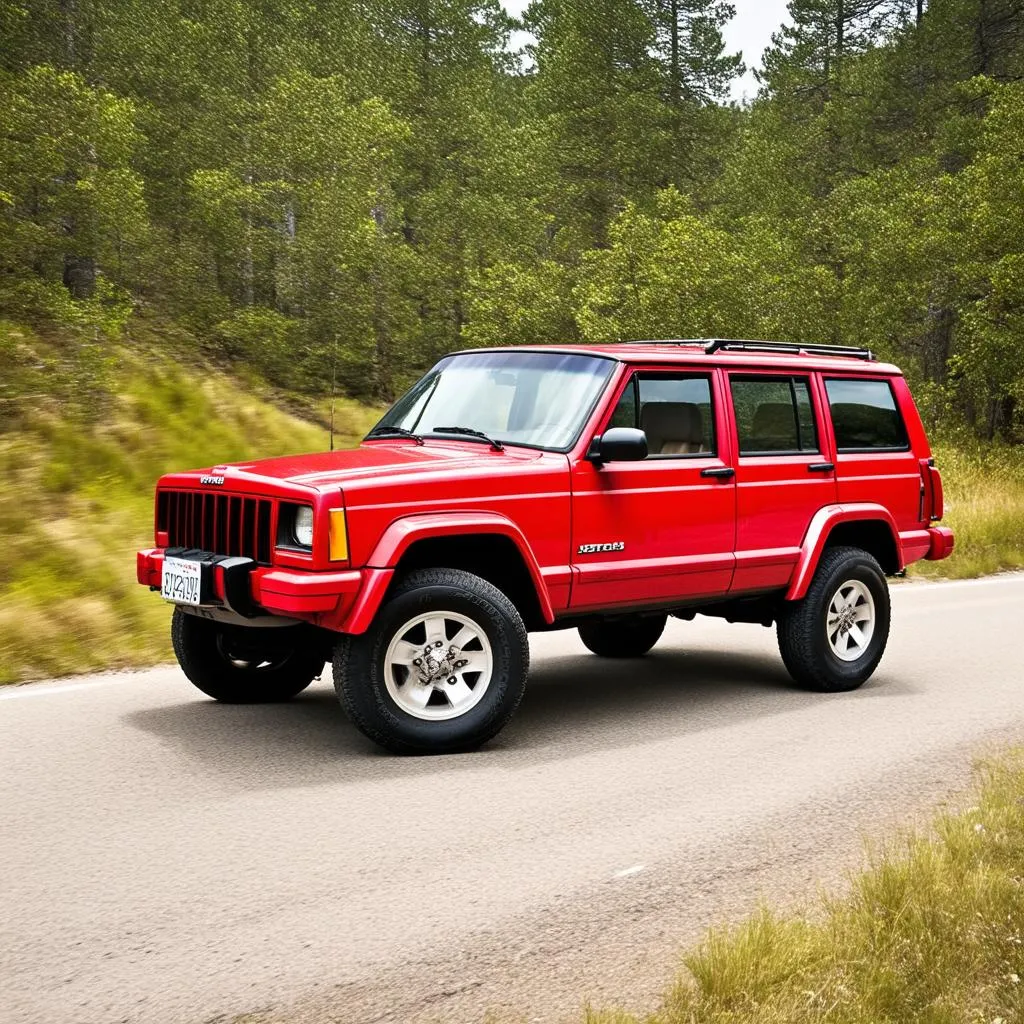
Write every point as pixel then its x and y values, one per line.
pixel 690 47
pixel 808 55
pixel 597 95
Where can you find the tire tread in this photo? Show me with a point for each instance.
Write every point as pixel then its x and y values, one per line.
pixel 799 627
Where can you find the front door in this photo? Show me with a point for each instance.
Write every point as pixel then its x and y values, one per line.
pixel 661 530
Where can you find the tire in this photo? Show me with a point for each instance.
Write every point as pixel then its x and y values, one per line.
pixel 384 695
pixel 629 637
pixel 239 665
pixel 807 647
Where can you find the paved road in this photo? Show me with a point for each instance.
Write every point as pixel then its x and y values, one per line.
pixel 166 859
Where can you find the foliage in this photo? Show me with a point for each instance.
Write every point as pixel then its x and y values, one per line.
pixel 327 191
pixel 931 931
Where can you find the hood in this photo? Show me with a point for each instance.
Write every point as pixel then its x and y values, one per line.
pixel 372 460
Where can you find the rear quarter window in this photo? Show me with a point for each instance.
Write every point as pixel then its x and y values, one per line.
pixel 865 416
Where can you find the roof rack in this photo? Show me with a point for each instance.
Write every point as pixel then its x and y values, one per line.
pixel 699 343
pixel 712 345
pixel 849 351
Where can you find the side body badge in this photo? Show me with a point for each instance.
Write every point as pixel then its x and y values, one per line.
pixel 596 549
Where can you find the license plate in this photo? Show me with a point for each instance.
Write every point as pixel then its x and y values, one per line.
pixel 181 581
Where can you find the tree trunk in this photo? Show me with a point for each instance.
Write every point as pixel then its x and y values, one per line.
pixel 981 39
pixel 937 343
pixel 1006 408
pixel 69 12
pixel 676 83
pixel 383 383
pixel 840 34
pixel 79 275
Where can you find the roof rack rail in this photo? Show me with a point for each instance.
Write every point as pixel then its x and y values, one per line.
pixel 849 351
pixel 699 343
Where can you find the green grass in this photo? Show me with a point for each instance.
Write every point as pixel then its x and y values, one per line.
pixel 76 500
pixel 984 491
pixel 932 932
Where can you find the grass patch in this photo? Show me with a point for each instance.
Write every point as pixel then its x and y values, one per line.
pixel 77 495
pixel 984 490
pixel 932 931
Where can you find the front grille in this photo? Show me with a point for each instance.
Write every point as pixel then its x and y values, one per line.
pixel 226 524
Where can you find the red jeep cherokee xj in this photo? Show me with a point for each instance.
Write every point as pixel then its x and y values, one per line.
pixel 601 488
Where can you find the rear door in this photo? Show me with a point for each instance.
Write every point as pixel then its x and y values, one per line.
pixel 660 530
pixel 785 472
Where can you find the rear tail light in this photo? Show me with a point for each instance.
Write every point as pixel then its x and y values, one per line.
pixel 931 492
pixel 935 478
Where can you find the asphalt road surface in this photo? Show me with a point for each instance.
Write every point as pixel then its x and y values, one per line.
pixel 166 859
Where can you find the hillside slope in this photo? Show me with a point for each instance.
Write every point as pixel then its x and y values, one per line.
pixel 76 499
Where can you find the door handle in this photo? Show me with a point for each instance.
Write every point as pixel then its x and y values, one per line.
pixel 821 467
pixel 720 472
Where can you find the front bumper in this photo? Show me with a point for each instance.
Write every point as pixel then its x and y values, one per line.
pixel 341 601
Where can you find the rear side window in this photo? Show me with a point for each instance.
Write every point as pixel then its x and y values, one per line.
pixel 865 416
pixel 774 415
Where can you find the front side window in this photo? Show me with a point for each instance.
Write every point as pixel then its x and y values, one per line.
pixel 673 410
pixel 536 399
pixel 864 416
pixel 774 415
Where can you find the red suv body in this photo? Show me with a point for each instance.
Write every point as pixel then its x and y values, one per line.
pixel 594 487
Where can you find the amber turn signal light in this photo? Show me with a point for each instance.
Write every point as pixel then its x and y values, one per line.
pixel 338 535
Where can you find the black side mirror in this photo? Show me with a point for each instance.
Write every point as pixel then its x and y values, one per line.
pixel 620 444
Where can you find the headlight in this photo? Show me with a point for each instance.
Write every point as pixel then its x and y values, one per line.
pixel 303 526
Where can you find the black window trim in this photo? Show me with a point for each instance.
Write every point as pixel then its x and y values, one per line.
pixel 783 375
pixel 886 450
pixel 688 374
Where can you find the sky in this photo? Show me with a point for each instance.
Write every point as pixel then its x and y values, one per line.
pixel 750 32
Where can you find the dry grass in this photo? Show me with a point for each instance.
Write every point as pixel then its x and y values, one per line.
pixel 985 506
pixel 76 502
pixel 932 931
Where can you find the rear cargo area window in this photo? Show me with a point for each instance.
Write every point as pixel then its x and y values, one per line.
pixel 865 416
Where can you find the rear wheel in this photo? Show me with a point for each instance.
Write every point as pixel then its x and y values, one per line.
pixel 244 665
pixel 442 668
pixel 834 638
pixel 628 637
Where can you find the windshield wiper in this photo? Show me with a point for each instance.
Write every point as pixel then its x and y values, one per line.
pixel 394 432
pixel 470 432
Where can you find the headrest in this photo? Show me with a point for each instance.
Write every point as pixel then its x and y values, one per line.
pixel 672 421
pixel 774 420
pixel 866 426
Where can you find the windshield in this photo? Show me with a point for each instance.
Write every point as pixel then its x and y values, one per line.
pixel 540 399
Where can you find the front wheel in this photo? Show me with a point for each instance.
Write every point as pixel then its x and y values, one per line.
pixel 244 665
pixel 834 638
pixel 442 669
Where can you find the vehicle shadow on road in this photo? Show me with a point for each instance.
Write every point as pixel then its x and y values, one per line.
pixel 574 705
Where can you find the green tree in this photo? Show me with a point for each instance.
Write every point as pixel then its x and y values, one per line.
pixel 597 95
pixel 71 204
